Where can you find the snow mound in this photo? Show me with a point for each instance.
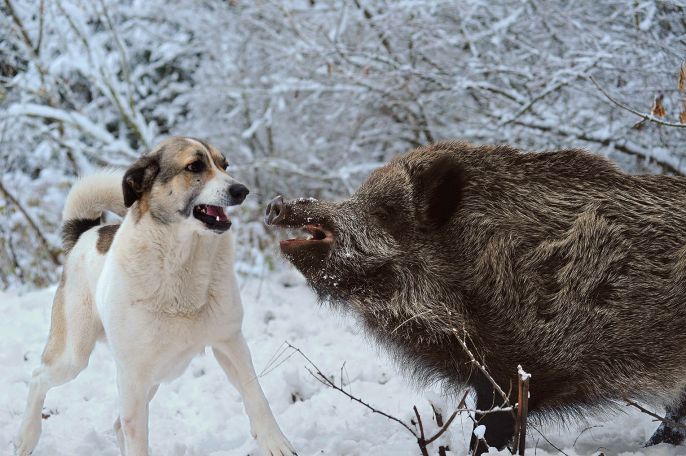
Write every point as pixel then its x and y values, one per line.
pixel 201 414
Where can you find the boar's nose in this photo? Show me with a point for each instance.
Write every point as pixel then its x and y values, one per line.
pixel 276 211
pixel 238 193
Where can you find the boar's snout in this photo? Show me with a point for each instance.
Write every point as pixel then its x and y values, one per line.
pixel 276 211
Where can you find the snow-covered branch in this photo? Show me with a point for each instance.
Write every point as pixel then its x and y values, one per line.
pixel 308 97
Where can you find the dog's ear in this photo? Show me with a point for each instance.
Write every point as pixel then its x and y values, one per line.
pixel 438 185
pixel 139 178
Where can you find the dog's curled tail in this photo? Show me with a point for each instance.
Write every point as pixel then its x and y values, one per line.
pixel 87 200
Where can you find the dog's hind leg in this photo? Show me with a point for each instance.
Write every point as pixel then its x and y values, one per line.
pixel 73 332
pixel 233 356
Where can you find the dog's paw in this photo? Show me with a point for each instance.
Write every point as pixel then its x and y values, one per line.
pixel 274 443
pixel 26 441
pixel 21 448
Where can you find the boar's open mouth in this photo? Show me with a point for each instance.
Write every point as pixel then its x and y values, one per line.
pixel 280 214
pixel 317 234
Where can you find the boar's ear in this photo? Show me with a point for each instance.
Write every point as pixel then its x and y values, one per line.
pixel 438 189
pixel 139 178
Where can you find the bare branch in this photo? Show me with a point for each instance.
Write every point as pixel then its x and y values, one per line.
pixel 655 415
pixel 582 432
pixel 548 441
pixel 553 88
pixel 482 368
pixel 41 22
pixel 422 440
pixel 419 422
pixel 32 48
pixel 643 115
pixel 327 381
pixel 51 252
pixel 522 410
pixel 444 427
pixel 604 141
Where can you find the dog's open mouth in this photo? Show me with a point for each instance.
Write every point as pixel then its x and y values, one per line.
pixel 213 217
pixel 317 234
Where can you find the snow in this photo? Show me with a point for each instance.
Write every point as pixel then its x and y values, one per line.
pixel 80 121
pixel 307 98
pixel 523 375
pixel 201 414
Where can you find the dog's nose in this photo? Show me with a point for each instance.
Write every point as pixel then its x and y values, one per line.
pixel 238 193
pixel 276 211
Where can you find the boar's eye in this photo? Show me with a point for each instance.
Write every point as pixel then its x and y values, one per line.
pixel 388 218
pixel 382 213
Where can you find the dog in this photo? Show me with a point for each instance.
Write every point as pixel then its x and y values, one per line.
pixel 158 288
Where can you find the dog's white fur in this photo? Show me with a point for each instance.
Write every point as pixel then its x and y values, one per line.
pixel 159 296
pixel 92 195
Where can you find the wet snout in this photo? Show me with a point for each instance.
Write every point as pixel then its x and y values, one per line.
pixel 237 193
pixel 276 211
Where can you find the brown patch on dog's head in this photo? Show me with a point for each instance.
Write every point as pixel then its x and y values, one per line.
pixel 186 164
pixel 105 237
pixel 217 157
pixel 140 176
pixel 180 177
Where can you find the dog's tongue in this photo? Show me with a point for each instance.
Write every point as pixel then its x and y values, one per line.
pixel 216 211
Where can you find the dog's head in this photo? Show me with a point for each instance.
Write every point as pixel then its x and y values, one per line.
pixel 183 180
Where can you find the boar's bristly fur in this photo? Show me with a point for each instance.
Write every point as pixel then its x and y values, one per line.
pixel 557 261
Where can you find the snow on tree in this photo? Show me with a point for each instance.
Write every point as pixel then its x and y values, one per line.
pixel 306 97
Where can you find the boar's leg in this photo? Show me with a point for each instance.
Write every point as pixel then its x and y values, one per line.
pixel 499 425
pixel 671 434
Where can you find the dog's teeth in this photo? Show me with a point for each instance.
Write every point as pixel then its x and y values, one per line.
pixel 217 218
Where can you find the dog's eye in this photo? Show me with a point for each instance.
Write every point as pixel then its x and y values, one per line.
pixel 195 167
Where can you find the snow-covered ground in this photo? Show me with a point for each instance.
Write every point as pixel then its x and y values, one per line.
pixel 201 414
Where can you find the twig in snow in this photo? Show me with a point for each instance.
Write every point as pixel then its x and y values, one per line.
pixel 482 368
pixel 421 432
pixel 522 411
pixel 655 415
pixel 581 433
pixel 319 375
pixel 506 400
pixel 549 442
pixel 275 361
pixel 422 440
pixel 444 427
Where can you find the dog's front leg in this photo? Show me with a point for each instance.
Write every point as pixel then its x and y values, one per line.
pixel 234 357
pixel 134 396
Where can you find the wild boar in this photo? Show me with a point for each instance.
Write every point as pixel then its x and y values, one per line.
pixel 557 261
